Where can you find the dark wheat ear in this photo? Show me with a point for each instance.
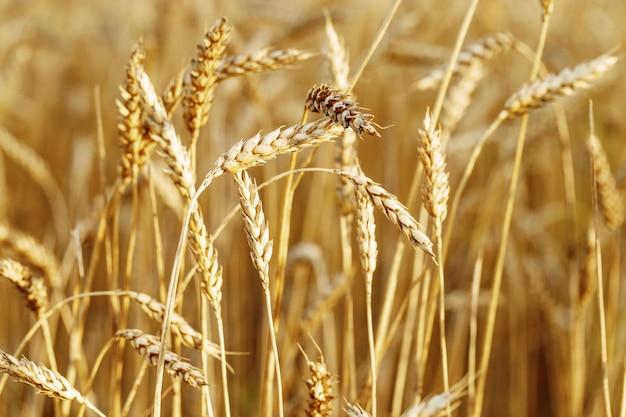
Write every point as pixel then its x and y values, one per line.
pixel 335 105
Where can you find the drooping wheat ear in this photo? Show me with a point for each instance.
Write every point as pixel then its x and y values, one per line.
pixel 478 52
pixel 178 162
pixel 200 88
pixel 436 405
pixel 366 234
pixel 259 149
pixel 346 147
pixel 459 96
pixel 320 390
pixel 136 147
pixel 259 61
pixel 32 286
pixel 436 186
pixel 173 93
pixel 609 199
pixel 45 380
pixel 29 251
pixel 148 347
pixel 187 334
pixel 355 410
pixel 255 225
pixel 554 86
pixel 395 211
pixel 334 104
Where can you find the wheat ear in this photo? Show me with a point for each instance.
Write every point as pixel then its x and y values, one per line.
pixel 148 346
pixel 610 202
pixel 32 286
pixel 200 89
pixel 45 380
pixel 565 83
pixel 395 211
pixel 355 410
pixel 259 61
pixel 334 104
pixel 475 53
pixel 320 386
pixel 436 405
pixel 188 335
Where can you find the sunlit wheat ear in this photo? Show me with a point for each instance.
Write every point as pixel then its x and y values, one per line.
pixel 135 145
pixel 188 335
pixel 259 61
pixel 320 386
pixel 554 86
pixel 476 53
pixel 30 285
pixel 46 381
pixel 255 225
pixel 30 252
pixel 148 346
pixel 395 211
pixel 609 199
pixel 337 56
pixel 355 410
pixel 259 149
pixel 366 234
pixel 436 405
pixel 335 105
pixel 200 88
pixel 436 185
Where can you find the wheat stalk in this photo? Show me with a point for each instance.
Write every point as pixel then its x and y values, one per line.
pixel 395 211
pixel 148 347
pixel 553 86
pixel 45 380
pixel 334 104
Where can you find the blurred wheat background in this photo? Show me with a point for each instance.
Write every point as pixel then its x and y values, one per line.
pixel 552 352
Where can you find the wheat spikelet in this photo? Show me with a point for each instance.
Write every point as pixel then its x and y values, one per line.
pixel 31 252
pixel 259 149
pixel 610 202
pixel 45 380
pixel 395 211
pixel 148 346
pixel 32 286
pixel 366 234
pixel 436 182
pixel 136 147
pixel 259 61
pixel 334 104
pixel 477 52
pixel 188 335
pixel 320 386
pixel 200 88
pixel 255 225
pixel 553 86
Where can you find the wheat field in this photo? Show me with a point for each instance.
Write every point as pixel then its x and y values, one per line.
pixel 384 209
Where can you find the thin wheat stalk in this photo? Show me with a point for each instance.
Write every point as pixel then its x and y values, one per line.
pixel 259 61
pixel 148 347
pixel 46 381
pixel 334 104
pixel 368 249
pixel 395 211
